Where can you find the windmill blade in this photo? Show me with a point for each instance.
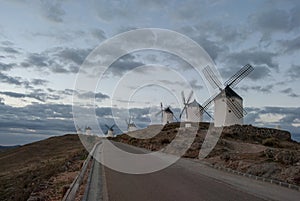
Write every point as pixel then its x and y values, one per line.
pixel 207 103
pixel 208 114
pixel 175 117
pixel 158 113
pixel 238 112
pixel 183 98
pixel 184 108
pixel 189 97
pixel 106 126
pixel 212 78
pixel 238 76
pixel 127 123
pixel 112 126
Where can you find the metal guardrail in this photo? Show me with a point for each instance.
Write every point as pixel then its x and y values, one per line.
pixel 71 193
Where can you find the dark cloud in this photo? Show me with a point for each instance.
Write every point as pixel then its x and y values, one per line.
pixel 57 60
pixel 291 45
pixel 10 50
pixel 6 67
pixel 40 82
pixel 269 21
pixel 290 92
pixel 74 55
pixel 10 80
pixel 253 57
pixel 36 94
pixel 7 43
pixel 124 64
pixel 294 72
pixel 98 34
pixel 52 10
pixel 91 95
pixel 262 89
pixel 213 48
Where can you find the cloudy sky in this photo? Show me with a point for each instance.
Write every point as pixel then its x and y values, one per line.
pixel 43 44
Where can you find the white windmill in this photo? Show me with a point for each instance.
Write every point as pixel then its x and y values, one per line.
pixel 167 115
pixel 228 104
pixel 193 110
pixel 78 130
pixel 88 130
pixel 110 130
pixel 130 125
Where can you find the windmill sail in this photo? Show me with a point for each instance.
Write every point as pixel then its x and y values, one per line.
pixel 212 78
pixel 237 77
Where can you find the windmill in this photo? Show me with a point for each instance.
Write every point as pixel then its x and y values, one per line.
pixel 78 129
pixel 166 114
pixel 130 125
pixel 193 110
pixel 110 130
pixel 88 130
pixel 228 104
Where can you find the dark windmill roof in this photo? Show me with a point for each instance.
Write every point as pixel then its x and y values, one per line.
pixel 168 110
pixel 228 92
pixel 132 124
pixel 194 104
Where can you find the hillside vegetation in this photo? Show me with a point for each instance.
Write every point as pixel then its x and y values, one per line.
pixel 26 169
pixel 262 152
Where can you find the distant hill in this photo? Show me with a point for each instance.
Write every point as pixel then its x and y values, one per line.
pixel 2 148
pixel 23 169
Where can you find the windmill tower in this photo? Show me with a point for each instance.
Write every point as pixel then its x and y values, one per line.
pixel 166 114
pixel 78 130
pixel 130 125
pixel 110 130
pixel 228 104
pixel 192 109
pixel 88 130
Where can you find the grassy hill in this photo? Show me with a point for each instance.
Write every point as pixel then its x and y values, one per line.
pixel 25 168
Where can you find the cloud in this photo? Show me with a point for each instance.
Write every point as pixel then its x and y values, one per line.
pixel 291 45
pixel 124 64
pixel 39 82
pixel 98 34
pixel 10 50
pixel 52 10
pixel 262 89
pixel 290 92
pixel 253 57
pixel 294 72
pixel 11 80
pixel 36 94
pixel 92 95
pixel 6 67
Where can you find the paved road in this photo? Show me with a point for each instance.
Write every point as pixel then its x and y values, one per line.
pixel 185 180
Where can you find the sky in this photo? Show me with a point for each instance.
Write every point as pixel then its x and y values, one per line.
pixel 44 43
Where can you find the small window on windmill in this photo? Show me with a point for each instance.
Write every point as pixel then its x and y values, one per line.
pixel 232 100
pixel 229 111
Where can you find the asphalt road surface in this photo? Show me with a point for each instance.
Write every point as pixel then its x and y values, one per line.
pixel 186 180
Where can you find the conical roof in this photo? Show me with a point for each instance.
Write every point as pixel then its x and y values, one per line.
pixel 194 104
pixel 168 110
pixel 229 93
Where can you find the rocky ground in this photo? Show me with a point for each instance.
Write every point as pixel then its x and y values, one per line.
pixel 263 152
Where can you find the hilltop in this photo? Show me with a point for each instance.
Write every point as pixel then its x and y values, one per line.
pixel 264 152
pixel 49 164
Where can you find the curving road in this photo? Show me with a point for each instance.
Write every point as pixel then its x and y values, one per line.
pixel 184 180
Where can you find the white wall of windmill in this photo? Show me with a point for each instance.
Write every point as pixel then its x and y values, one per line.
pixel 132 128
pixel 88 132
pixel 110 133
pixel 194 114
pixel 167 118
pixel 223 115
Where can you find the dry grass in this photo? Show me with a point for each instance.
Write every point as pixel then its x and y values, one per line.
pixel 23 169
